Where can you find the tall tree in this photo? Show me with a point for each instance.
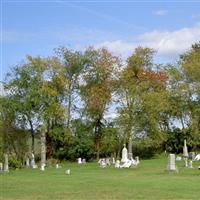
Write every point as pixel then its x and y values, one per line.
pixel 97 88
pixel 73 64
pixel 142 95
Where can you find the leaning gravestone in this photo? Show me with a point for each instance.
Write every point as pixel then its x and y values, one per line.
pixel 6 167
pixel 171 166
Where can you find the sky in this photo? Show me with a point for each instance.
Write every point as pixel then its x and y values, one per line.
pixel 36 27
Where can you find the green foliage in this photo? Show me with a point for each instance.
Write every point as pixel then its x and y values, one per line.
pixel 14 163
pixel 48 93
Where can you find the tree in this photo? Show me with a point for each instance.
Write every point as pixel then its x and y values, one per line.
pixel 23 85
pixel 97 88
pixel 73 64
pixel 142 97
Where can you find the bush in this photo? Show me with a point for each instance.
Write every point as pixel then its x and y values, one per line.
pixel 14 163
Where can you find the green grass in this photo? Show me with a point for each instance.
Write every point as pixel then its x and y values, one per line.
pixel 149 181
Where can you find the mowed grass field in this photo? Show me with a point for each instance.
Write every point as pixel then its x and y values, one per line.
pixel 148 181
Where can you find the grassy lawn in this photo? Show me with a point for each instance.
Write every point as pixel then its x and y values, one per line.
pixel 148 181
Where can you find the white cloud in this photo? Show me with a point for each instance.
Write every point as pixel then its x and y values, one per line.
pixel 160 12
pixel 168 44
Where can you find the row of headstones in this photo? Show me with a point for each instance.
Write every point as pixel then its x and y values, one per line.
pixel 126 161
pixel 104 162
pixel 81 161
pixel 171 166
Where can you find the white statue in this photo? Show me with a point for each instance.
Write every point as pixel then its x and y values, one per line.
pixel 124 154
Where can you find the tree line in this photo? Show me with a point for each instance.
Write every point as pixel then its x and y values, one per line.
pixel 69 96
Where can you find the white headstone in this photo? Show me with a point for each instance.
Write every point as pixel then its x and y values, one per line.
pixel 102 162
pixel 84 161
pixel 1 166
pixel 137 160
pixel 117 164
pixel 6 167
pixel 79 161
pixel 113 161
pixel 171 166
pixel 186 162
pixel 124 154
pixel 108 161
pixel 68 172
pixel 42 167
pixel 178 158
pixel 190 164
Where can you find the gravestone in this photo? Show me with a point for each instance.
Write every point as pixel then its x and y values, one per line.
pixel 6 167
pixel 68 172
pixel 84 161
pixel 1 167
pixel 103 163
pixel 124 155
pixel 108 161
pixel 130 154
pixel 137 160
pixel 42 168
pixel 79 161
pixel 117 164
pixel 190 164
pixel 113 161
pixel 171 166
pixel 178 158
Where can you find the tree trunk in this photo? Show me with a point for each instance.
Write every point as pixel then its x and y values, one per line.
pixel 97 138
pixel 43 148
pixel 32 138
pixel 32 143
pixel 69 105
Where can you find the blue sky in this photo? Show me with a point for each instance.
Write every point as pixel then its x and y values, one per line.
pixel 37 27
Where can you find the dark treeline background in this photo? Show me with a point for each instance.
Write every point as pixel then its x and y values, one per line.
pixel 90 103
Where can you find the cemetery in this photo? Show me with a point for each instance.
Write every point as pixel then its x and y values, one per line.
pixel 99 100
